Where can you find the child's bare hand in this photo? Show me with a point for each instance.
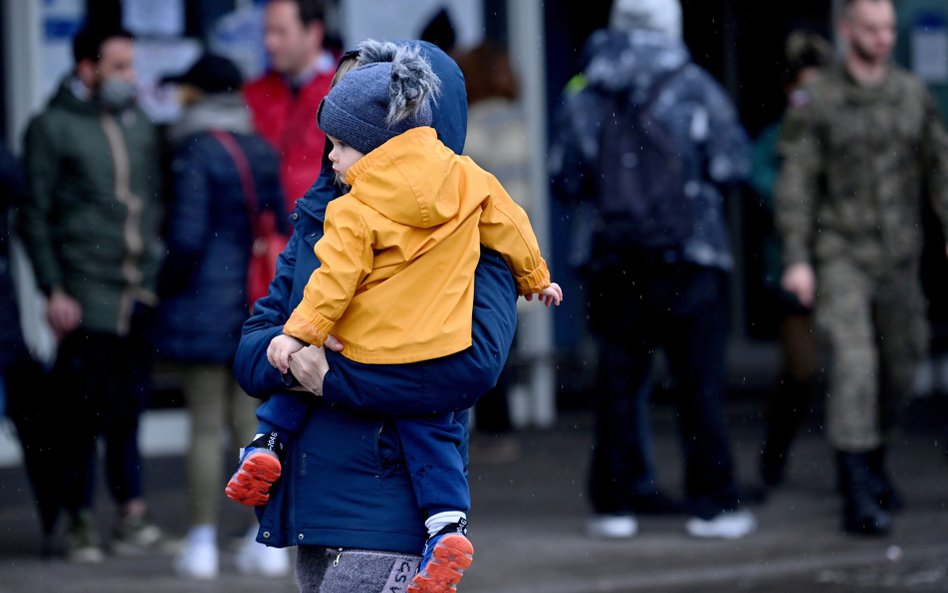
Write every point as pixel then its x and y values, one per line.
pixel 280 350
pixel 551 295
pixel 333 343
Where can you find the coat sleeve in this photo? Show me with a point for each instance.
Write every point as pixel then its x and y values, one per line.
pixel 346 258
pixel 728 148
pixel 188 217
pixel 571 158
pixel 253 372
pixel 41 161
pixel 935 160
pixel 505 228
pixel 795 194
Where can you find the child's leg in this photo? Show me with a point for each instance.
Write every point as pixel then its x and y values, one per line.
pixel 261 461
pixel 432 447
pixel 284 412
pixel 432 455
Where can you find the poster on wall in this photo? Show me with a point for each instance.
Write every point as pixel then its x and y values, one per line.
pixel 155 59
pixel 930 48
pixel 239 36
pixel 155 19
pixel 405 19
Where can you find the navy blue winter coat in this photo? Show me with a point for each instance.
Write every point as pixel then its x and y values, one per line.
pixel 208 236
pixel 344 482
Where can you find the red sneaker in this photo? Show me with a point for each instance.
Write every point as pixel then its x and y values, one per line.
pixel 259 468
pixel 447 556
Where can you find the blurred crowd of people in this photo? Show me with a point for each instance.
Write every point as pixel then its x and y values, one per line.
pixel 646 149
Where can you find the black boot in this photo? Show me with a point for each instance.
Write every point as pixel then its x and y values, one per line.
pixel 884 490
pixel 861 511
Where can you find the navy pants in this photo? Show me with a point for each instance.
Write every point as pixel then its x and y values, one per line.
pixel 104 381
pixel 636 307
pixel 429 400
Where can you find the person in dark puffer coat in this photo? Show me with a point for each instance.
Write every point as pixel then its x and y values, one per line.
pixel 204 280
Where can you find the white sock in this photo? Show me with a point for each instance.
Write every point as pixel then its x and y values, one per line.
pixel 203 534
pixel 439 521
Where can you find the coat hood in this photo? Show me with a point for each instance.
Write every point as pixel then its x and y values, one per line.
pixel 222 111
pixel 65 98
pixel 415 164
pixel 631 61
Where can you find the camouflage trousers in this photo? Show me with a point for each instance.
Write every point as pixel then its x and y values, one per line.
pixel 873 320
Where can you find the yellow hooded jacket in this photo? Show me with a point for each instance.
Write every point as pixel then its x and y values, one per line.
pixel 396 280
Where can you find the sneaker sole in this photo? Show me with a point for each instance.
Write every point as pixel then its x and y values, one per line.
pixel 250 484
pixel 450 558
pixel 86 555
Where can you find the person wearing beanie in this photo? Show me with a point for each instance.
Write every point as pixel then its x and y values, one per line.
pixel 395 284
pixel 203 292
pixel 647 144
pixel 663 16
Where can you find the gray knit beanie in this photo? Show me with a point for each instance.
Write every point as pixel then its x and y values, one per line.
pixel 663 16
pixel 390 92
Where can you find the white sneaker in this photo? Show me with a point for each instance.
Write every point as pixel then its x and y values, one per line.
pixel 198 560
pixel 254 558
pixel 728 525
pixel 612 526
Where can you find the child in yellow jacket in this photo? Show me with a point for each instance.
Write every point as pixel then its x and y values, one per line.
pixel 396 276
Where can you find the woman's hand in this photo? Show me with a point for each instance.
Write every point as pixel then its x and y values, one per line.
pixel 309 366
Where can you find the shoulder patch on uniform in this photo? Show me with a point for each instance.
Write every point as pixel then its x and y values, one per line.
pixel 799 98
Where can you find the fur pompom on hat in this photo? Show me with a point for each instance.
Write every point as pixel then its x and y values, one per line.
pixel 390 92
pixel 663 16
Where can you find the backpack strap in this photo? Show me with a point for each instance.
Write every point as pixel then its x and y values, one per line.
pixel 236 153
pixel 660 85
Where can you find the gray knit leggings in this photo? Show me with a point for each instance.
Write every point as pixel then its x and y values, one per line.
pixel 334 570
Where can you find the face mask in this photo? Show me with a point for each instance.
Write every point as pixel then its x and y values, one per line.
pixel 116 93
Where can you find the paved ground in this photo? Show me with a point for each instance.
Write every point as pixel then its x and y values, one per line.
pixel 528 519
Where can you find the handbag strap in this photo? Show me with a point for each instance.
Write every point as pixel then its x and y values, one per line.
pixel 236 153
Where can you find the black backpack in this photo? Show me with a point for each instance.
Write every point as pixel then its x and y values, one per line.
pixel 642 177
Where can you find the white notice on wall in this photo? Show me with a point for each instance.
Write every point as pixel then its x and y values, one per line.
pixel 930 48
pixel 153 18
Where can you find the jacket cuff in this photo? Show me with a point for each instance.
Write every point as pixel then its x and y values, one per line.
pixel 535 281
pixel 795 252
pixel 311 328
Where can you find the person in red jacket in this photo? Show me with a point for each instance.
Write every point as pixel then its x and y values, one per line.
pixel 285 99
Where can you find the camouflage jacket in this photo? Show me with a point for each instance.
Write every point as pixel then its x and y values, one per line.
pixel 857 160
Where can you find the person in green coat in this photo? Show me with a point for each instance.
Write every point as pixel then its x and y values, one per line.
pixel 91 226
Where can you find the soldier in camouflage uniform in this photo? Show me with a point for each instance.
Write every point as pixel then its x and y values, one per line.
pixel 860 146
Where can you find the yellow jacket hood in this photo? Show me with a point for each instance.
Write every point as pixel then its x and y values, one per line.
pixel 413 164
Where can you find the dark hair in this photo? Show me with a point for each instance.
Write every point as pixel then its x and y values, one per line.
pixel 440 31
pixel 88 42
pixel 848 4
pixel 311 11
pixel 487 72
pixel 805 49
